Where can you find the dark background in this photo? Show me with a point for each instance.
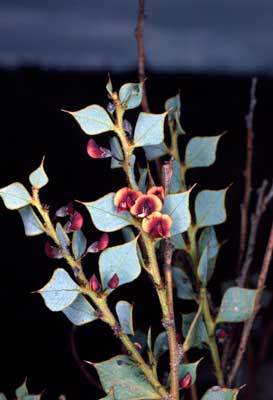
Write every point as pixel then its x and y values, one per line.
pixel 57 56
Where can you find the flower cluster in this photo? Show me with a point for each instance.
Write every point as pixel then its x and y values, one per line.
pixel 146 207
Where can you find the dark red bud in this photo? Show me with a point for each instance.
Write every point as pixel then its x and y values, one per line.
pixel 94 283
pixel 99 245
pixel 113 282
pixel 65 210
pixel 49 250
pixel 96 151
pixel 76 221
pixel 221 334
pixel 186 381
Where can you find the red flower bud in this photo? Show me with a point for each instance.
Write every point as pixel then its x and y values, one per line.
pixel 99 245
pixel 113 282
pixel 125 198
pixel 65 210
pixel 51 251
pixel 94 283
pixel 157 225
pixel 76 221
pixel 186 381
pixel 146 205
pixel 157 191
pixel 221 334
pixel 96 151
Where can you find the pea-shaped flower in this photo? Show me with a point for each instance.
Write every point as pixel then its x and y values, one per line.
pixel 157 191
pixel 125 198
pixel 146 205
pixel 157 225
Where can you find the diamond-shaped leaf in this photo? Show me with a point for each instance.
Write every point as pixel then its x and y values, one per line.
pixel 194 331
pixel 149 129
pixel 131 94
pixel 78 243
pixel 122 374
pixel 120 260
pixel 176 184
pixel 177 207
pixel 187 368
pixel 183 285
pixel 21 391
pixel 93 119
pixel 15 196
pixel 80 312
pixel 201 151
pixel 32 224
pixel 237 305
pixel 220 393
pixel 116 152
pixel 105 216
pixel 156 151
pixel 62 236
pixel 161 345
pixel 210 207
pixel 209 240
pixel 60 291
pixel 125 316
pixel 38 178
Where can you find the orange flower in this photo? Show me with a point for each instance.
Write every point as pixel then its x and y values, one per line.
pixel 157 225
pixel 157 191
pixel 146 205
pixel 125 198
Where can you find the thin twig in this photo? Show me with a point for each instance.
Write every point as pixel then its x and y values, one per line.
pixel 248 324
pixel 247 172
pixel 141 53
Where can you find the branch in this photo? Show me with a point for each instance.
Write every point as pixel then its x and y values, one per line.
pixel 247 172
pixel 141 53
pixel 248 324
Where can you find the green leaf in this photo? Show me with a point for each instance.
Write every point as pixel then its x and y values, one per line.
pixel 149 129
pixel 132 166
pixel 105 216
pixel 38 178
pixel 161 345
pixel 128 234
pixel 78 244
pixel 220 393
pixel 183 285
pixel 176 184
pixel 142 180
pixel 60 291
pixel 110 396
pixel 237 305
pixel 32 224
pixel 116 152
pixel 15 196
pixel 178 242
pixel 154 152
pixel 194 331
pixel 202 271
pixel 80 312
pixel 62 236
pixel 209 240
pixel 173 106
pixel 109 86
pixel 32 397
pixel 201 151
pixel 210 207
pixel 121 260
pixel 21 391
pixel 125 316
pixel 122 374
pixel 93 119
pixel 2 396
pixel 131 94
pixel 184 369
pixel 177 207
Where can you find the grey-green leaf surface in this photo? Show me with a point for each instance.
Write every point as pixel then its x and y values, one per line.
pixel 21 391
pixel 105 216
pixel 121 260
pixel 173 106
pixel 194 331
pixel 93 119
pixel 110 396
pixel 209 240
pixel 161 345
pixel 132 168
pixel 79 243
pixel 177 207
pixel 142 180
pixel 80 312
pixel 116 152
pixel 2 396
pixel 126 378
pixel 210 207
pixel 32 224
pixel 183 285
pixel 203 268
pixel 156 151
pixel 38 178
pixel 60 291
pixel 149 129
pixel 62 236
pixel 178 242
pixel 237 305
pixel 15 196
pixel 131 94
pixel 219 393
pixel 201 151
pixel 124 312
pixel 175 184
pixel 187 368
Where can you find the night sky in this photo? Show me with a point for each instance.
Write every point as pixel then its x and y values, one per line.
pixel 198 35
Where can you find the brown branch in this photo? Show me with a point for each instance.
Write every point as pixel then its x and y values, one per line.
pixel 248 324
pixel 141 53
pixel 247 172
